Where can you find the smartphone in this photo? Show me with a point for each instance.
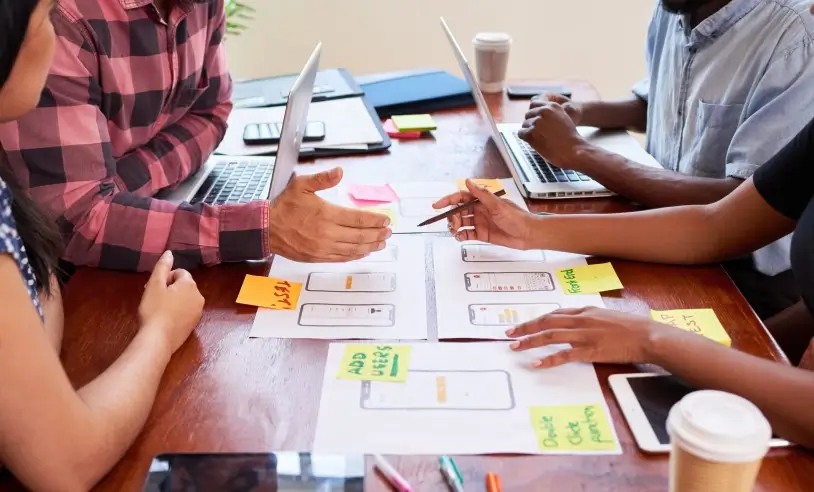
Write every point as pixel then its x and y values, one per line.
pixel 507 314
pixel 278 471
pixel 347 315
pixel 389 254
pixel 442 390
pixel 523 91
pixel 351 282
pixel 497 254
pixel 509 282
pixel 646 400
pixel 269 133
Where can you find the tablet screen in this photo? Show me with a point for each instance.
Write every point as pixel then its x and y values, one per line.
pixel 272 472
pixel 657 395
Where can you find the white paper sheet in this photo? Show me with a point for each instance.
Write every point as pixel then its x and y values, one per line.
pixel 387 299
pixel 415 202
pixel 348 125
pixel 476 287
pixel 488 392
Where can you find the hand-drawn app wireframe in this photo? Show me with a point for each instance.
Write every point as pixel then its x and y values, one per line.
pixel 351 282
pixel 491 253
pixel 389 254
pixel 477 390
pixel 509 282
pixel 335 315
pixel 508 314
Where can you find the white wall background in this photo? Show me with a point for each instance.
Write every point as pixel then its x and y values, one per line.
pixel 598 40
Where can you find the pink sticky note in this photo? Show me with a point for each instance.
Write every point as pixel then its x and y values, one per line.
pixel 373 193
pixel 394 132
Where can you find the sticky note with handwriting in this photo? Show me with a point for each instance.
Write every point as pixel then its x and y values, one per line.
pixel 373 193
pixel 589 279
pixel 363 362
pixel 269 292
pixel 701 321
pixel 491 185
pixel 573 428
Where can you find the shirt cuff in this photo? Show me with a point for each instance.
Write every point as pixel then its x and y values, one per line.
pixel 740 171
pixel 243 232
pixel 642 89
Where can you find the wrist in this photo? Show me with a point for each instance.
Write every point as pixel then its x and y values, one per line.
pixel 152 335
pixel 660 342
pixel 534 228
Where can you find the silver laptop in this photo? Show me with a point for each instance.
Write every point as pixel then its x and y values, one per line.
pixel 230 179
pixel 535 177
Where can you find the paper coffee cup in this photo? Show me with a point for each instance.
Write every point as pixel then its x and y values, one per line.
pixel 718 443
pixel 492 59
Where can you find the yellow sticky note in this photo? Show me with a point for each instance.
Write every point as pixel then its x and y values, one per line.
pixel 573 428
pixel 414 122
pixel 701 321
pixel 589 279
pixel 386 210
pixel 269 292
pixel 388 363
pixel 491 185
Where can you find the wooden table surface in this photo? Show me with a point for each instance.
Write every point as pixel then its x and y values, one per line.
pixel 224 392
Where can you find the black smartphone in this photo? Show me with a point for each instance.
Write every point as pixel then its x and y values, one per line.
pixel 524 91
pixel 269 133
pixel 279 472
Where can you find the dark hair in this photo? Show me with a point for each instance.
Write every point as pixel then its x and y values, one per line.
pixel 37 232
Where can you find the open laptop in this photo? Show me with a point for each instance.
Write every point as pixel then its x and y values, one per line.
pixel 535 177
pixel 229 179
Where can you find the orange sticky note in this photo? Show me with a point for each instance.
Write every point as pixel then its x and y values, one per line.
pixel 491 185
pixel 269 292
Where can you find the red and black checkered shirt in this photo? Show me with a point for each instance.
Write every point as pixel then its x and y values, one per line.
pixel 134 104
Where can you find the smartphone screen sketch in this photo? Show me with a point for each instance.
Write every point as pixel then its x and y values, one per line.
pixel 351 282
pixel 507 314
pixel 389 254
pixel 509 282
pixel 442 390
pixel 347 315
pixel 417 207
pixel 473 253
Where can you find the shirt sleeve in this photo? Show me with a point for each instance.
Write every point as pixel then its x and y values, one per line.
pixel 782 104
pixel 12 245
pixel 62 152
pixel 786 182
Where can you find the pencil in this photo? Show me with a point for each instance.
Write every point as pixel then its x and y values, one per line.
pixel 457 209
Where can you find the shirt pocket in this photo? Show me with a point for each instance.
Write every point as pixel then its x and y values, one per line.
pixel 190 90
pixel 715 126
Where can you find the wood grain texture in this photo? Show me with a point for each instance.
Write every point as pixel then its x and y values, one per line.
pixel 225 392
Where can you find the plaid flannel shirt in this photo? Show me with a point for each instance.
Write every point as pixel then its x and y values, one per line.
pixel 134 104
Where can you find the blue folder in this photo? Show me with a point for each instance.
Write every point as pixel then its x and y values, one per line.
pixel 415 91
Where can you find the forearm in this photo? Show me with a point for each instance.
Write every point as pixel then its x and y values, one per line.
pixel 652 187
pixel 54 323
pixel 784 394
pixel 629 113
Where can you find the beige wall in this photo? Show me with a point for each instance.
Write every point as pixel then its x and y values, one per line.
pixel 598 40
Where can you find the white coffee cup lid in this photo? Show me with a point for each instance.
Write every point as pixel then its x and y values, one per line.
pixel 492 39
pixel 719 427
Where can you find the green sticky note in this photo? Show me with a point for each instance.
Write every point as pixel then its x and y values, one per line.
pixel 414 123
pixel 388 363
pixel 573 428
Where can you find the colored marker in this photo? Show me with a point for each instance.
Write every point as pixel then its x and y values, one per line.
pixel 397 481
pixel 451 474
pixel 492 483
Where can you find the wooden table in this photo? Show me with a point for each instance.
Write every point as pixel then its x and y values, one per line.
pixel 225 392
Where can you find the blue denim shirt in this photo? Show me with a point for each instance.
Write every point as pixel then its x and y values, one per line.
pixel 726 96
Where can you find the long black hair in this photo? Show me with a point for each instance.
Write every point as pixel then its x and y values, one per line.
pixel 38 233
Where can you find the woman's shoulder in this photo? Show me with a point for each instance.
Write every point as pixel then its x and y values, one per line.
pixel 11 244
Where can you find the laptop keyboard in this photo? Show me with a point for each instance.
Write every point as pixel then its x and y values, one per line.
pixel 235 182
pixel 547 172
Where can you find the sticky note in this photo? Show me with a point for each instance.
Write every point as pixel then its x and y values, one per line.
pixel 701 321
pixel 394 132
pixel 386 210
pixel 491 185
pixel 388 363
pixel 373 193
pixel 573 428
pixel 589 279
pixel 269 292
pixel 414 122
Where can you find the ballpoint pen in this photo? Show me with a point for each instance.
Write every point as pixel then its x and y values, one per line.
pixel 390 473
pixel 451 474
pixel 459 208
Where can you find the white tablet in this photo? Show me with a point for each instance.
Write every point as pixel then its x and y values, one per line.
pixel 645 400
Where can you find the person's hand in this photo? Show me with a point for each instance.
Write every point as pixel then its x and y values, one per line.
pixel 595 335
pixel 304 227
pixel 492 220
pixel 171 304
pixel 549 129
pixel 573 109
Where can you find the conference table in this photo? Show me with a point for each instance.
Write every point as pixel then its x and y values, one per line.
pixel 226 392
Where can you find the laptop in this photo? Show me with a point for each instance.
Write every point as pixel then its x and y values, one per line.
pixel 230 179
pixel 535 177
